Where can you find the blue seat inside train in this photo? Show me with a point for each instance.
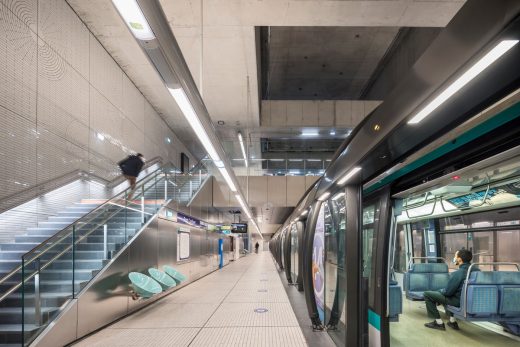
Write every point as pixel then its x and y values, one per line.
pixel 395 301
pixel 490 296
pixel 422 277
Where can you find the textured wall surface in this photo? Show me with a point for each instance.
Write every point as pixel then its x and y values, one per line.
pixel 65 104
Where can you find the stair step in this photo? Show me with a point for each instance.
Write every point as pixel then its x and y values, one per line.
pixel 27 246
pixel 46 299
pixel 13 315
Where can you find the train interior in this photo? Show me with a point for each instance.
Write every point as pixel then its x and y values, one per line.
pixel 478 209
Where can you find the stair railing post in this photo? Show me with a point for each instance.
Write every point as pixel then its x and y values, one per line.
pixel 142 204
pixel 105 241
pixel 37 302
pixel 165 187
pixel 191 190
pixel 73 259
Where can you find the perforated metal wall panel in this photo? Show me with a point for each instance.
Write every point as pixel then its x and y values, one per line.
pixel 65 105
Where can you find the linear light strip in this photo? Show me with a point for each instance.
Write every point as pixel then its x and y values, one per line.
pixel 241 140
pixel 134 19
pixel 189 113
pixel 337 196
pixel 228 179
pixel 324 196
pixel 499 50
pixel 351 173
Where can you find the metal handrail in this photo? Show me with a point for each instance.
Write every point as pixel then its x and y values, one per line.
pixel 196 167
pixel 410 262
pixel 417 204
pixel 56 236
pixel 467 279
pixel 421 205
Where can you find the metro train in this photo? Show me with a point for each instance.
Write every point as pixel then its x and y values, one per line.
pixel 434 169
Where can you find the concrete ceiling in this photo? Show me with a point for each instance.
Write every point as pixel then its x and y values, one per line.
pixel 321 63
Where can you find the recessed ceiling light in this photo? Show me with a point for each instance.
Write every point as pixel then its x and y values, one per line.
pixel 100 136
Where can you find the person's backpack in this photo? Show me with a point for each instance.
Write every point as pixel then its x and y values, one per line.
pixel 122 163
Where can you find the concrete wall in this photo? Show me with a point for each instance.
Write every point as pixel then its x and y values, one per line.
pixel 277 191
pixel 323 113
pixel 64 102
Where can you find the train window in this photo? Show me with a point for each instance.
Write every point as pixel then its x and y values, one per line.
pixel 370 220
pixel 400 250
pixel 508 243
pixel 294 253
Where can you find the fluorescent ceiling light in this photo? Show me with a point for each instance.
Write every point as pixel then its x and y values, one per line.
pixel 241 140
pixel 310 133
pixel 337 196
pixel 349 175
pixel 192 118
pixel 134 19
pixel 470 74
pixel 276 159
pixel 244 207
pixel 100 136
pixel 295 159
pixel 228 179
pixel 313 159
pixel 324 196
pixel 333 132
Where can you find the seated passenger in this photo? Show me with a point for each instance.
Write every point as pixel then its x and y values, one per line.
pixel 449 295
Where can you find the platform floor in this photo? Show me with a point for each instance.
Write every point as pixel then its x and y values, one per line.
pixel 244 304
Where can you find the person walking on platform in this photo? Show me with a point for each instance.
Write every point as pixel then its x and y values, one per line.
pixel 449 295
pixel 256 247
pixel 131 167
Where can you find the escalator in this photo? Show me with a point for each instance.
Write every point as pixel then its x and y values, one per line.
pixel 51 264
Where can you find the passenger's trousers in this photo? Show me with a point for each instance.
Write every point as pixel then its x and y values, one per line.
pixel 433 298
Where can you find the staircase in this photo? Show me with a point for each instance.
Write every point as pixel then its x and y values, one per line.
pixel 186 186
pixel 63 254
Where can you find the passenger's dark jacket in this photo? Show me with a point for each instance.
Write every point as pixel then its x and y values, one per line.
pixel 131 166
pixel 453 289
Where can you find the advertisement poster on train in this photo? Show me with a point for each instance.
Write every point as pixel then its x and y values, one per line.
pixel 318 266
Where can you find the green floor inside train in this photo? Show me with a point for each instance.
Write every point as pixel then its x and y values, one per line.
pixel 410 331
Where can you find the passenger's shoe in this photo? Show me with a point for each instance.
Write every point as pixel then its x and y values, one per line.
pixel 434 325
pixel 454 325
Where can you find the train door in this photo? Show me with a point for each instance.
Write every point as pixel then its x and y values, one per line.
pixel 375 234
